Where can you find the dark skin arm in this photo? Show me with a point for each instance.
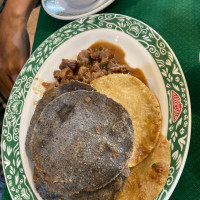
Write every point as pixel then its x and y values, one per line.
pixel 14 41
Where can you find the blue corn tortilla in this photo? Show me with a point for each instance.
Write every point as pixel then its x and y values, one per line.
pixel 82 142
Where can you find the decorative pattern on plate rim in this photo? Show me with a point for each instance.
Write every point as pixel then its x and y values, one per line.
pixel 179 108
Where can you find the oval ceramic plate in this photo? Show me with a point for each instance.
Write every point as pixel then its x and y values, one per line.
pixel 61 9
pixel 144 48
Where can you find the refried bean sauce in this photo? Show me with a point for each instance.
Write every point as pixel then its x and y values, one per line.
pixel 119 56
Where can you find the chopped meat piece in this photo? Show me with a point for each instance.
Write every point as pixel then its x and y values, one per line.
pixel 72 64
pixel 83 57
pixel 97 74
pixel 96 55
pixel 66 73
pixel 87 77
pixel 84 74
pixel 101 55
pixel 96 67
pixel 83 70
pixel 121 69
pixel 69 73
pixel 117 68
pixel 105 71
pixel 112 64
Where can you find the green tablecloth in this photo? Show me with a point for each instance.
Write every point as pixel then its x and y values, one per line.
pixel 178 22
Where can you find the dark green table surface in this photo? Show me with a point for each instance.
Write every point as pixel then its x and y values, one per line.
pixel 178 22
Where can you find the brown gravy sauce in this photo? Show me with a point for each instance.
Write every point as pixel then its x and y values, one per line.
pixel 119 56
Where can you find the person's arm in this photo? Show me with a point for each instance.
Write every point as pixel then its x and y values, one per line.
pixel 14 41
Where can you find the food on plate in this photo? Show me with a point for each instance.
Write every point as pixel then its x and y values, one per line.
pixel 88 134
pixel 109 192
pixel 148 178
pixel 90 64
pixel 93 63
pixel 49 96
pixel 142 105
pixel 95 133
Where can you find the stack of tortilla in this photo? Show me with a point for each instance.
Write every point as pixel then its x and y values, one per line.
pixel 80 142
pixel 151 158
pixel 83 146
